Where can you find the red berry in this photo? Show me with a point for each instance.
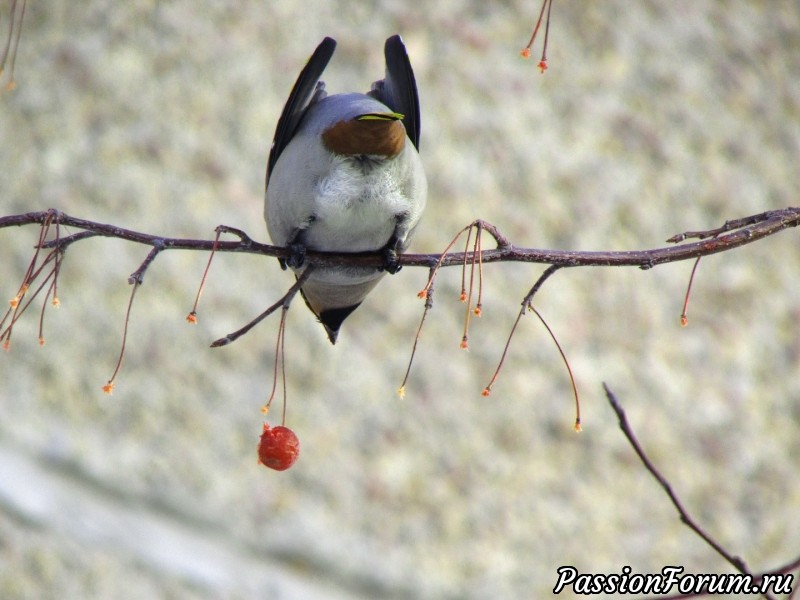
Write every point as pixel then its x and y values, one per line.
pixel 278 448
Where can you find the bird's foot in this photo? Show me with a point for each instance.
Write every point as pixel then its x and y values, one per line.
pixel 391 260
pixel 296 257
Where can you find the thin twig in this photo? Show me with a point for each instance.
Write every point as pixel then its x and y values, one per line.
pixel 526 303
pixel 401 391
pixel 284 301
pixel 577 424
pixel 730 225
pixel 108 388
pixel 137 277
pixel 685 517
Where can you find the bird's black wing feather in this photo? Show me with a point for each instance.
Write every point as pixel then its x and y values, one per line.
pixel 398 90
pixel 307 89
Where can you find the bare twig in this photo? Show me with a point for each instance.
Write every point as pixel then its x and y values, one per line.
pixel 685 517
pixel 9 55
pixel 731 225
pixel 577 425
pixel 137 277
pixel 284 302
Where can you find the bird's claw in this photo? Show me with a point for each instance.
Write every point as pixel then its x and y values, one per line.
pixel 391 261
pixel 297 256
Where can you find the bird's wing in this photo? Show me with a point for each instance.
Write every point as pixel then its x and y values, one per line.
pixel 398 90
pixel 307 90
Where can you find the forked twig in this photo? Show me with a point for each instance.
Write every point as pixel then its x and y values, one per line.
pixel 685 517
pixel 525 303
pixel 756 579
pixel 284 302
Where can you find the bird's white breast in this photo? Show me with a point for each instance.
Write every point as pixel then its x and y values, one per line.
pixel 355 206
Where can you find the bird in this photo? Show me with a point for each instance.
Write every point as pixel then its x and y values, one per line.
pixel 344 175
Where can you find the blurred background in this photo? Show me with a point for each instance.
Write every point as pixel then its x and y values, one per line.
pixel 653 118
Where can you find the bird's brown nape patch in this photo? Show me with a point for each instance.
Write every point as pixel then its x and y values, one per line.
pixel 380 134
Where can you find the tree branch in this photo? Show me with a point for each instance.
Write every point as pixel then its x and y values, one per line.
pixel 732 234
pixel 736 561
